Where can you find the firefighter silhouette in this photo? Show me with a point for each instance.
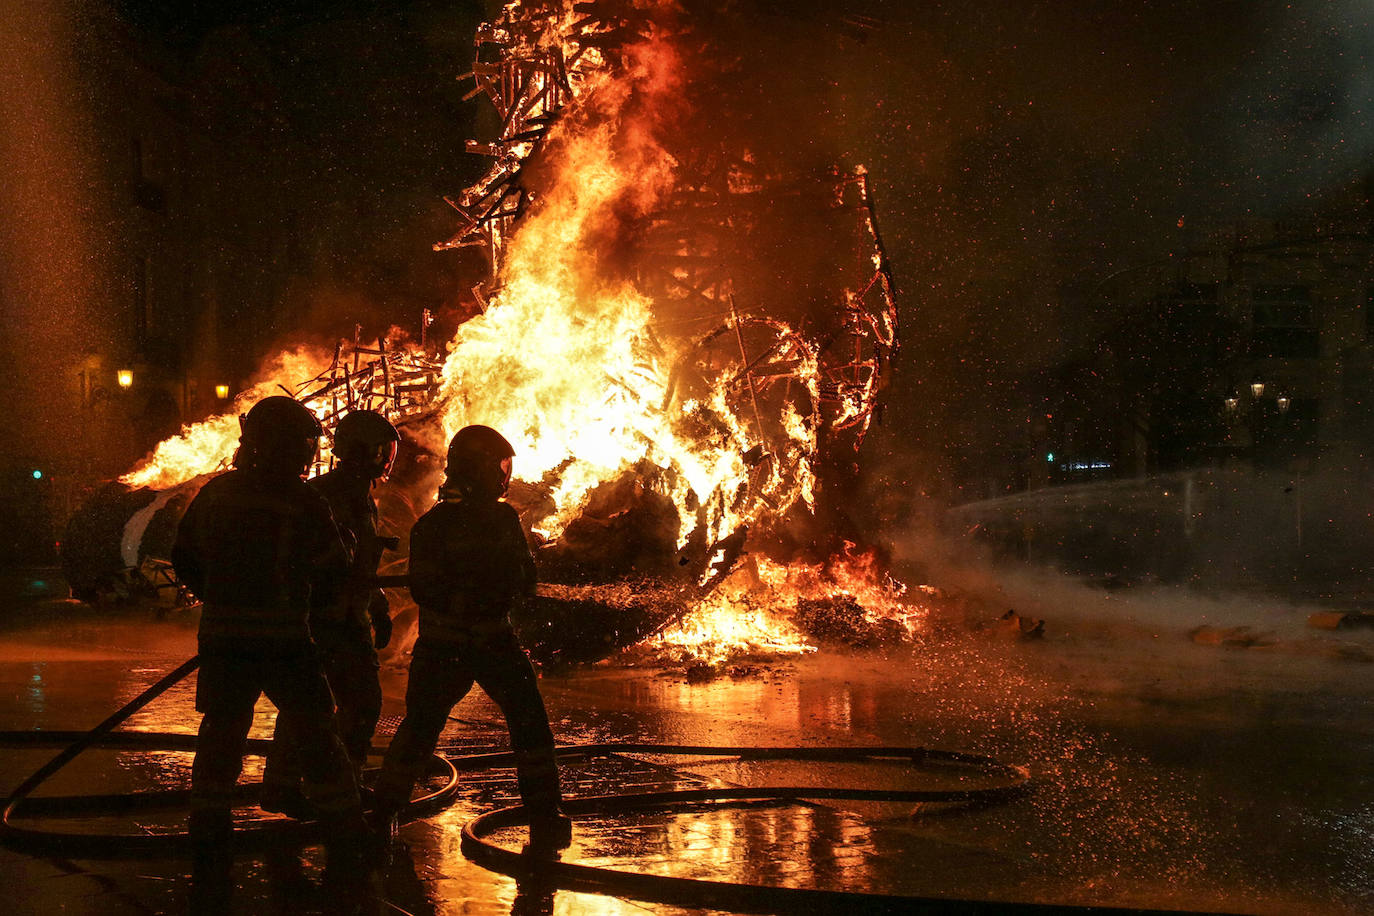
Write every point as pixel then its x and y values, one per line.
pixel 469 563
pixel 258 545
pixel 350 629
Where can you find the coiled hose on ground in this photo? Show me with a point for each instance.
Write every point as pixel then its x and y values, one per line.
pixel 476 844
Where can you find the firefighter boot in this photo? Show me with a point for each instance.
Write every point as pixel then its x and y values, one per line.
pixel 389 799
pixel 536 771
pixel 550 831
pixel 211 834
pixel 350 881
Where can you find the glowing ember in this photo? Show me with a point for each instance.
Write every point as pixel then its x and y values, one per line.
pixel 730 625
pixel 758 610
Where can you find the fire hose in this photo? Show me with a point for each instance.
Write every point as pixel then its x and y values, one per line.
pixel 106 845
pixel 476 843
pixel 121 845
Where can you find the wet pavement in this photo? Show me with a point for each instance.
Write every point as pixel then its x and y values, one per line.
pixel 1168 772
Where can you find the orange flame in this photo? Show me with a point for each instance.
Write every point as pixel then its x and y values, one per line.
pixel 568 362
pixel 754 612
pixel 208 446
pixel 565 361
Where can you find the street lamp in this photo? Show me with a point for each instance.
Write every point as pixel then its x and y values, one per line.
pixel 1257 389
pixel 1232 403
pixel 222 392
pixel 1283 402
pixel 125 377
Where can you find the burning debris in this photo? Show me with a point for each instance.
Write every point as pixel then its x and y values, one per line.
pixel 1341 620
pixel 1019 626
pixel 1232 637
pixel 842 619
pixel 684 343
pixel 569 625
pixel 391 377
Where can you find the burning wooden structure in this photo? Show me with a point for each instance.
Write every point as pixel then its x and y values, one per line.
pixel 685 344
pixel 116 546
pixel 546 57
pixel 795 365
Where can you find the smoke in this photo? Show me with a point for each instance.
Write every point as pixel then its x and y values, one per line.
pixel 1255 577
pixel 352 130
pixel 1020 155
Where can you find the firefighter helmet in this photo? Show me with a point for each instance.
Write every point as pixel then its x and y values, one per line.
pixel 366 438
pixel 479 463
pixel 279 434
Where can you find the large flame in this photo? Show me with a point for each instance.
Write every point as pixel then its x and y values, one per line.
pixel 569 361
pixel 565 361
pixel 209 446
pixel 755 612
pixel 562 361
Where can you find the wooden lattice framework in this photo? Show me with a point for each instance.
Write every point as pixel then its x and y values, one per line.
pixel 399 382
pixel 532 64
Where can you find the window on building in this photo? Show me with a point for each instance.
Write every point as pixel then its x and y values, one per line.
pixel 1283 326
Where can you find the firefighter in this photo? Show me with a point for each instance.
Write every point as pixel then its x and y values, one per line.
pixel 469 563
pixel 257 546
pixel 349 631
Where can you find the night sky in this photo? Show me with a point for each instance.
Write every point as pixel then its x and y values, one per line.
pixel 1018 149
pixel 1020 152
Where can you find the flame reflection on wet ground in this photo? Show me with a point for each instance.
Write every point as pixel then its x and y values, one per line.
pixel 1167 775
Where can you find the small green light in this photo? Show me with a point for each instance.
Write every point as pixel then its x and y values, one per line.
pixel 1050 456
pixel 37 474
